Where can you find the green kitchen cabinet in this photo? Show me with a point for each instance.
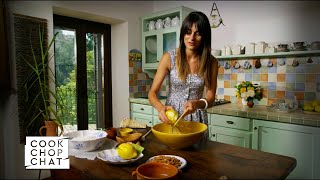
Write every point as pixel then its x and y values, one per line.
pixel 297 141
pixel 144 113
pixel 230 130
pixel 157 41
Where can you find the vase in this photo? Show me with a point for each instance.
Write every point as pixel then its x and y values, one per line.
pixel 250 104
pixel 51 128
pixel 244 102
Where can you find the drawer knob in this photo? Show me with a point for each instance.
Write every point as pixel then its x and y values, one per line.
pixel 213 135
pixel 230 122
pixel 141 109
pixel 255 128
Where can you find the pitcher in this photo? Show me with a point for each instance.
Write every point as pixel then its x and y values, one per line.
pixel 51 129
pixel 159 24
pixel 151 25
pixel 167 22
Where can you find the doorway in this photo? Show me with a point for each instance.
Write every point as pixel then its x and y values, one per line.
pixel 83 73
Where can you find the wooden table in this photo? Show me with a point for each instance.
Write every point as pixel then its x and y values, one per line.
pixel 205 160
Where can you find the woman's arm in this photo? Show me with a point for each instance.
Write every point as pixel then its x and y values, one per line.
pixel 162 71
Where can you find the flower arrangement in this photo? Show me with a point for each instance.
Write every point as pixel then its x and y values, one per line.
pixel 248 91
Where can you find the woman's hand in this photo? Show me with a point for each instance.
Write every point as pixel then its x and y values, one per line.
pixel 190 106
pixel 162 114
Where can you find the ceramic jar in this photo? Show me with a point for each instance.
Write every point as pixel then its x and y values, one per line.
pixel 260 47
pixel 236 49
pixel 250 48
pixel 228 50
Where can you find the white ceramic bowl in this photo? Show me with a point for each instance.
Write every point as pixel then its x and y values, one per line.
pixel 86 140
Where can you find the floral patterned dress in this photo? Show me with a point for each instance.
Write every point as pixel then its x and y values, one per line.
pixel 180 92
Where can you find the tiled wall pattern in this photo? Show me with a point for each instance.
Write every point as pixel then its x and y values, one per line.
pixel 140 83
pixel 278 82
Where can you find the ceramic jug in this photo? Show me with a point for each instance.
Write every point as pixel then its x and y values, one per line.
pixel 237 65
pixel 51 129
pixel 175 21
pixel 167 22
pixel 159 24
pixel 151 25
pixel 226 65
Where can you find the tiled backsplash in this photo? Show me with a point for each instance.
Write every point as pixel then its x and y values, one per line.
pixel 278 82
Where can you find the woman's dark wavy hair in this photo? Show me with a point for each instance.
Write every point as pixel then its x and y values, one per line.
pixel 205 61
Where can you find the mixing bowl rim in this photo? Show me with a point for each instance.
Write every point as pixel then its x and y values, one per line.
pixel 184 134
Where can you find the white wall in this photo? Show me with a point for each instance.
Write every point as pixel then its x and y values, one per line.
pixel 254 21
pixel 246 21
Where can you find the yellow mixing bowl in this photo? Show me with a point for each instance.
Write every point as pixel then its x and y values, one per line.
pixel 190 133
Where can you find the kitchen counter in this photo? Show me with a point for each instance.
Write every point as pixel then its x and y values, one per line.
pixel 257 112
pixel 205 160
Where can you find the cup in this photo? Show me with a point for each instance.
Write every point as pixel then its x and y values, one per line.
pixel 112 133
pixel 156 170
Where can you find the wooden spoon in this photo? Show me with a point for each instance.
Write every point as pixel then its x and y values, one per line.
pixel 181 117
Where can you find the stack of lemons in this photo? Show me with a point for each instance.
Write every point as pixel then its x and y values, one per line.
pixel 129 150
pixel 313 106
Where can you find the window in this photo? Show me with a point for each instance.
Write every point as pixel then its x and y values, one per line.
pixel 83 72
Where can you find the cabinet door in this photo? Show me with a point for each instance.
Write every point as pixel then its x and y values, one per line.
pixel 230 136
pixel 299 142
pixel 145 118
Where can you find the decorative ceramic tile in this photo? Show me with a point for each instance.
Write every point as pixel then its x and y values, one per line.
pixel 256 77
pixel 272 85
pixel 281 77
pixel 248 77
pixel 300 87
pixel 311 87
pixel 310 96
pixel 281 86
pixel 272 77
pixel 227 77
pixel 290 86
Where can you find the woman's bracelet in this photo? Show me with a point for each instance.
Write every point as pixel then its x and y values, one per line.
pixel 205 101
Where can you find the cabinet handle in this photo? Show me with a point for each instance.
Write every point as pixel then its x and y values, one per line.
pixel 141 109
pixel 230 122
pixel 213 135
pixel 255 128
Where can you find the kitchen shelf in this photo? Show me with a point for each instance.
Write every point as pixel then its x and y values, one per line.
pixel 270 55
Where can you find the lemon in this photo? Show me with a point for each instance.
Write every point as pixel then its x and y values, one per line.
pixel 172 115
pixel 308 107
pixel 126 151
pixel 315 103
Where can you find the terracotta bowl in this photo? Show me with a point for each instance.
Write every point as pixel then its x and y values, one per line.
pixel 190 133
pixel 156 170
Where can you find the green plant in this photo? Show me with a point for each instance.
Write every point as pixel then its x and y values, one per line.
pixel 248 91
pixel 43 105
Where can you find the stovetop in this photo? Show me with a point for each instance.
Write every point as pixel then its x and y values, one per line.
pixel 221 101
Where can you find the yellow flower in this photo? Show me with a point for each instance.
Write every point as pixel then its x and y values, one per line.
pixel 250 88
pixel 237 94
pixel 242 90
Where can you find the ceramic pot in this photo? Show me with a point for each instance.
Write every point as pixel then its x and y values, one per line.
pixel 151 25
pixel 51 129
pixel 112 133
pixel 250 104
pixel 244 102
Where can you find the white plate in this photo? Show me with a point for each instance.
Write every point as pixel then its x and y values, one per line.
pixel 151 45
pixel 111 156
pixel 183 161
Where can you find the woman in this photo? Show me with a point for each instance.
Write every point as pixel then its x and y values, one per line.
pixel 191 67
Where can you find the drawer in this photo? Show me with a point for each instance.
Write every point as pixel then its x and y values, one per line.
pixel 231 122
pixel 141 108
pixel 155 112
